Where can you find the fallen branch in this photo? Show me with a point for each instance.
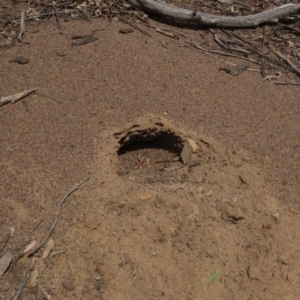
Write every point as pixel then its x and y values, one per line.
pixel 209 20
pixel 36 248
pixel 16 97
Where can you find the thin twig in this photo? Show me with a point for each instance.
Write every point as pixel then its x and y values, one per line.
pixel 35 227
pixel 25 277
pixel 5 242
pixel 57 253
pixel 216 57
pixel 226 47
pixel 22 31
pixel 57 18
pixel 37 295
pixel 51 98
pixel 263 61
pixel 35 249
pixel 196 46
pixel 101 29
pixel 286 83
pixel 293 67
pixel 16 97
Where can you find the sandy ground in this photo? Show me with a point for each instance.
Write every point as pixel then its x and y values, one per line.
pixel 140 228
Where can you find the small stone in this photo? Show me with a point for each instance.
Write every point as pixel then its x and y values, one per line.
pixel 176 186
pixel 236 70
pixel 22 60
pixel 246 159
pixel 126 30
pixel 193 144
pixel 267 226
pixel 209 193
pixel 268 160
pixel 100 267
pixel 189 147
pixel 233 213
pixel 234 199
pixel 67 284
pixel 60 53
pixel 199 180
pixel 284 259
pixel 275 216
pixel 254 273
pixel 99 284
pixel 145 197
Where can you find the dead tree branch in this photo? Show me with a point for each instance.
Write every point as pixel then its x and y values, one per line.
pixel 209 20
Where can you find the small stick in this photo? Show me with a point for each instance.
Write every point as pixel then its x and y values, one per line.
pixel 57 18
pixel 226 47
pixel 262 68
pixel 22 31
pixel 101 29
pixel 286 83
pixel 5 242
pixel 221 53
pixel 57 253
pixel 216 57
pixel 25 277
pixel 294 68
pixel 35 227
pixel 37 295
pixel 51 98
pixel 36 248
pixel 16 97
pixel 167 33
pixel 164 44
pixel 179 33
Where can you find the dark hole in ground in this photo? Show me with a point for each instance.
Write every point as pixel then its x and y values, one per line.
pixel 150 139
pixel 147 155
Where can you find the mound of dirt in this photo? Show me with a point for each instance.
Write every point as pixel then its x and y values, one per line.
pixel 145 225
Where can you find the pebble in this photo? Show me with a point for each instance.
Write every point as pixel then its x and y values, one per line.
pixel 145 197
pixel 22 60
pixel 100 267
pixel 189 147
pixel 68 285
pixel 60 53
pixel 254 273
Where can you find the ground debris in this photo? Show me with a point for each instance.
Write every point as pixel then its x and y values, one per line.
pixel 5 261
pixel 16 97
pixel 235 70
pixel 84 40
pixel 22 60
pixel 126 30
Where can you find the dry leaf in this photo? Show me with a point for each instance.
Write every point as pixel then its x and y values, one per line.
pixel 49 246
pixel 30 246
pixel 33 277
pixel 5 262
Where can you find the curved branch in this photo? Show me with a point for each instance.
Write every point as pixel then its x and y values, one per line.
pixel 209 20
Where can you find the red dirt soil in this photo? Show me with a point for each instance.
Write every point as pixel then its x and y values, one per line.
pixel 236 210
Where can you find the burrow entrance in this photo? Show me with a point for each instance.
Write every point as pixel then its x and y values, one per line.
pixel 151 155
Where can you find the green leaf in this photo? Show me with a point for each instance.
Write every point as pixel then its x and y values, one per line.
pixel 215 274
